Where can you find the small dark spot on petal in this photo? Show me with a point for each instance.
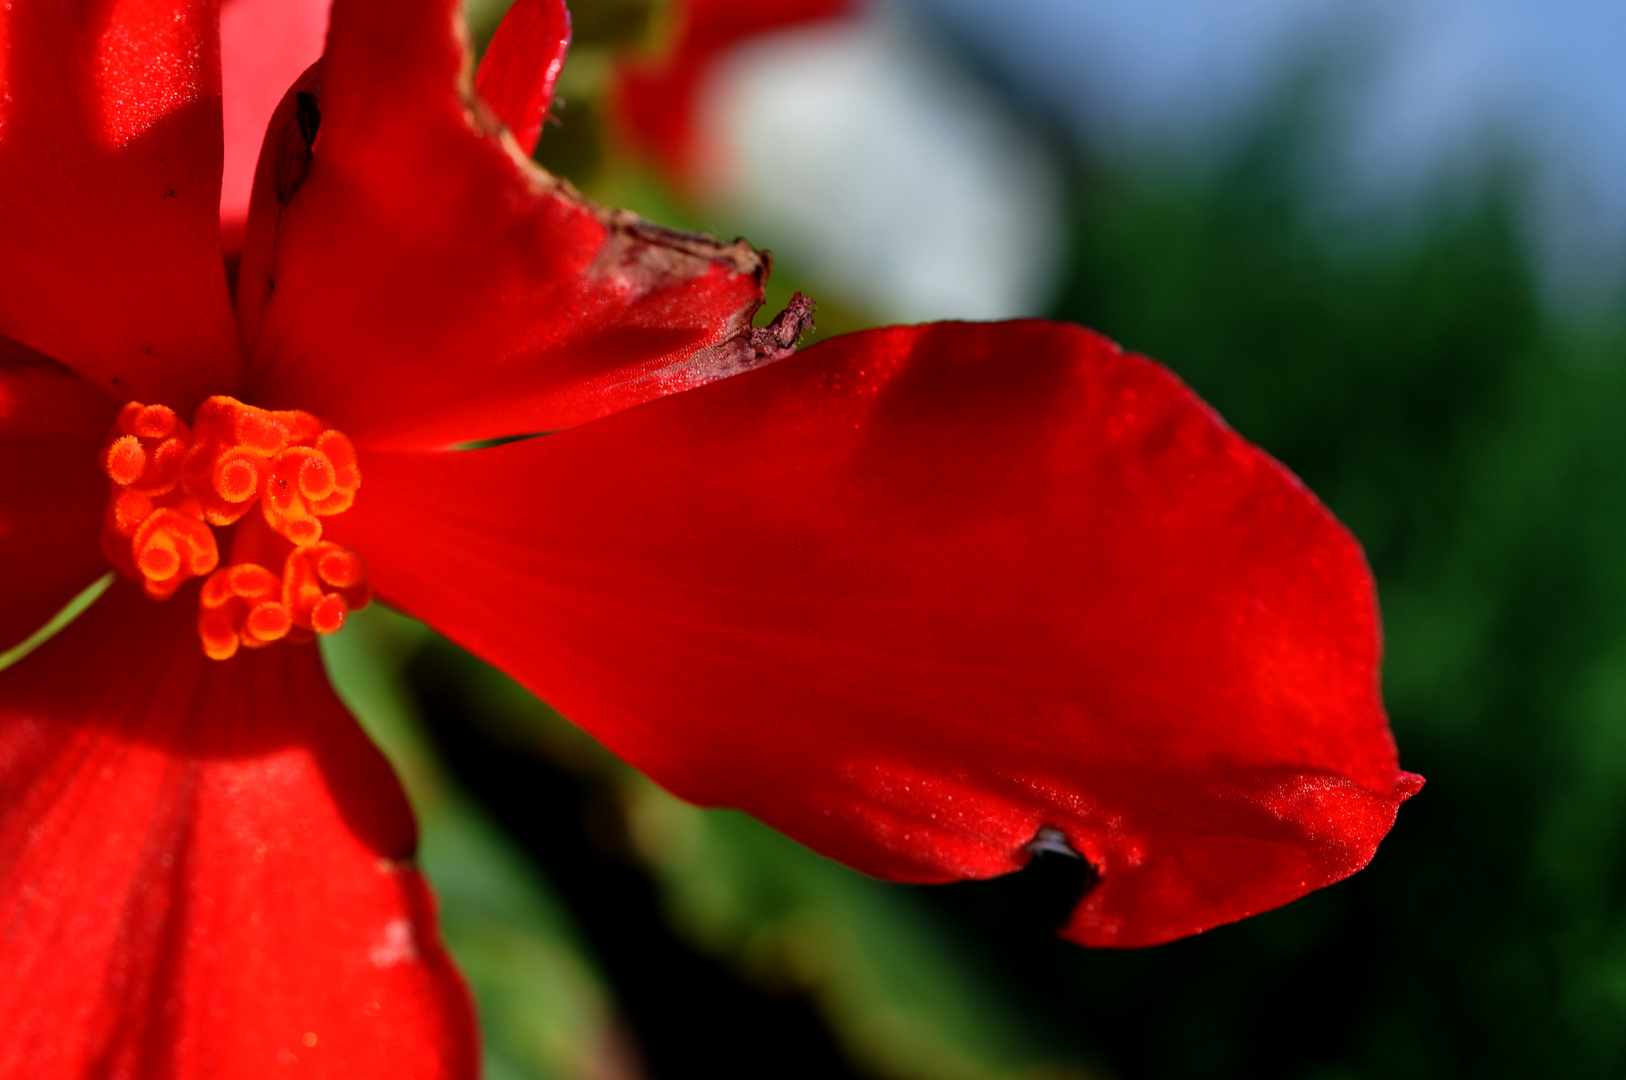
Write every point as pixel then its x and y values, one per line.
pixel 170 194
pixel 293 161
pixel 309 118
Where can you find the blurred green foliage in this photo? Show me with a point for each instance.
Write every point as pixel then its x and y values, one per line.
pixel 905 999
pixel 1474 442
pixel 545 1012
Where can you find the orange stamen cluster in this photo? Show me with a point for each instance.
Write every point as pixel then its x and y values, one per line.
pixel 172 482
pixel 247 606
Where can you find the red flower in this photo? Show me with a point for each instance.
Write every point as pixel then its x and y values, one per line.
pixel 912 596
pixel 653 99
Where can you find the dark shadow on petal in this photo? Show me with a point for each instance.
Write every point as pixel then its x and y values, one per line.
pixel 136 668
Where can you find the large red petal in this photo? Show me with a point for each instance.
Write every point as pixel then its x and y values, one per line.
pixel 109 193
pixel 412 278
pixel 264 45
pixel 653 99
pixel 522 64
pixel 52 488
pixel 916 594
pixel 205 869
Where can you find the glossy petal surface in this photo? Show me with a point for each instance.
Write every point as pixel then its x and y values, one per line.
pixel 655 98
pixel 205 869
pixel 264 46
pixel 521 66
pixel 109 191
pixel 912 595
pixel 416 282
pixel 52 488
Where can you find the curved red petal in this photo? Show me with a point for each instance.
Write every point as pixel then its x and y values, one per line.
pixel 411 278
pixel 264 46
pixel 206 869
pixel 52 488
pixel 521 66
pixel 916 594
pixel 109 192
pixel 653 100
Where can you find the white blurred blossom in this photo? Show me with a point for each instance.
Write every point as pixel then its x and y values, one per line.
pixel 873 163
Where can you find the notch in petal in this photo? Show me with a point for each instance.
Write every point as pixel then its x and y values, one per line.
pixel 915 595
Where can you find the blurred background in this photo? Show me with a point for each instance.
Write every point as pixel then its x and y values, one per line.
pixel 1387 240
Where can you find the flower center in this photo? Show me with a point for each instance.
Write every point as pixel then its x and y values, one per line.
pixel 174 485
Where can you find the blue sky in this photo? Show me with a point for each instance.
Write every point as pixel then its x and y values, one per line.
pixel 1433 89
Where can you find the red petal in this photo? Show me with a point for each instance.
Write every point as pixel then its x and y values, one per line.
pixel 653 101
pixel 522 64
pixel 264 46
pixel 109 189
pixel 206 869
pixel 915 594
pixel 419 282
pixel 52 488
